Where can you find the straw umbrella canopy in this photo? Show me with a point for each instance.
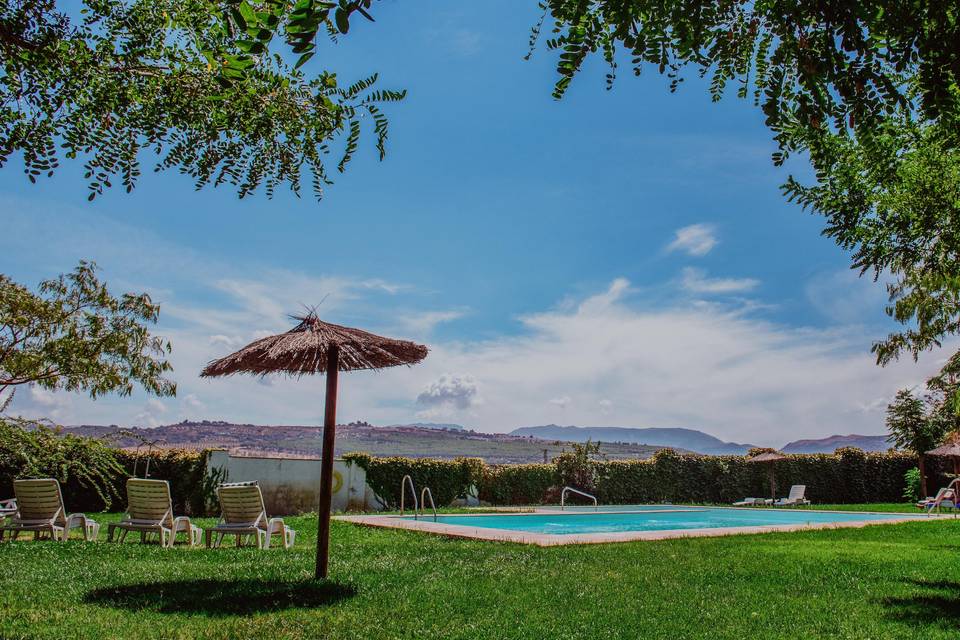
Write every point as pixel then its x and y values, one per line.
pixel 771 458
pixel 311 347
pixel 949 450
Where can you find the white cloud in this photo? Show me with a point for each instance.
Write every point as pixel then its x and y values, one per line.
pixel 696 281
pixel 700 366
pixel 844 297
pixel 230 342
pixel 561 401
pixel 632 362
pixel 466 42
pixel 150 415
pixel 193 403
pixel 45 397
pixel 448 393
pixel 695 240
pixel 423 323
pixel 703 366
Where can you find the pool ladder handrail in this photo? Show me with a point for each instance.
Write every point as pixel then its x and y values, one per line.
pixel 426 493
pixel 413 490
pixel 563 497
pixel 418 506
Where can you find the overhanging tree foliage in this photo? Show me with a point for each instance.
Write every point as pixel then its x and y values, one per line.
pixel 193 81
pixel 868 88
pixel 920 423
pixel 75 336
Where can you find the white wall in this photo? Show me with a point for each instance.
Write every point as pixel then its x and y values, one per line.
pixel 292 485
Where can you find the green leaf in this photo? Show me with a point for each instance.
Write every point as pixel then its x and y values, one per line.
pixel 303 59
pixel 238 19
pixel 248 13
pixel 342 19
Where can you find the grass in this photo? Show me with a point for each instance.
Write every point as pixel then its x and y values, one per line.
pixel 889 581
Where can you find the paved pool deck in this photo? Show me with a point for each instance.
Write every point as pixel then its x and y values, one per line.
pixel 427 525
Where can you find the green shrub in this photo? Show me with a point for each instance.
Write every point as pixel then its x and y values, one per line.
pixel 93 475
pixel 579 468
pixel 911 492
pixel 87 469
pixel 193 490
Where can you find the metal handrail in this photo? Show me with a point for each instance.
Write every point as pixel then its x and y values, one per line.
pixel 413 490
pixel 563 497
pixel 426 493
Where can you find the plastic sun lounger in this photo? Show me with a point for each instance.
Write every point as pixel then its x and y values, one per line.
pixel 796 496
pixel 7 508
pixel 753 502
pixel 946 497
pixel 40 510
pixel 150 510
pixel 244 515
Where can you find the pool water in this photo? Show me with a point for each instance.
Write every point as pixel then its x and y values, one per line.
pixel 659 518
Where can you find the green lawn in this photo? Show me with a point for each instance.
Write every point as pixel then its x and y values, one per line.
pixel 890 581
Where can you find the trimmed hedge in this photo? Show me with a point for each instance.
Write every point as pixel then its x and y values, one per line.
pixel 847 476
pixel 517 483
pixel 447 479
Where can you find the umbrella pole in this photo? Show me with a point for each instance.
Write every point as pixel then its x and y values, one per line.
pixel 773 482
pixel 326 464
pixel 923 478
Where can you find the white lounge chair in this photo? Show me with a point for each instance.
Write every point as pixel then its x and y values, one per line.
pixel 753 502
pixel 946 497
pixel 796 496
pixel 244 515
pixel 150 510
pixel 7 508
pixel 40 510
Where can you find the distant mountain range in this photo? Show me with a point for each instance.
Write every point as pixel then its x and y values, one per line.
pixel 424 440
pixel 445 440
pixel 678 438
pixel 693 440
pixel 831 444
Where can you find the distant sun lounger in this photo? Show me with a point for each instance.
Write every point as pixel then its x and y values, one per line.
pixel 40 510
pixel 753 502
pixel 150 510
pixel 796 496
pixel 244 515
pixel 946 497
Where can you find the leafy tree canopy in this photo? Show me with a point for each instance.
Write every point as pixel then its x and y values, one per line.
pixel 868 88
pixel 74 335
pixel 920 423
pixel 193 81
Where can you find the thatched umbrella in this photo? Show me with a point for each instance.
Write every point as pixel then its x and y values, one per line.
pixel 771 458
pixel 949 450
pixel 314 346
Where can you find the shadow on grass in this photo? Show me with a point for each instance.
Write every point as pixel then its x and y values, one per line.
pixel 939 604
pixel 221 597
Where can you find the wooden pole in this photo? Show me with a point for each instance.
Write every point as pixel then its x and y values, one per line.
pixel 773 481
pixel 326 464
pixel 923 478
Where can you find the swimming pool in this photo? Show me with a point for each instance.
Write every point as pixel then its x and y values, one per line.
pixel 550 526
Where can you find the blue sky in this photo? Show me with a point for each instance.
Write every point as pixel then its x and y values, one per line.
pixel 615 258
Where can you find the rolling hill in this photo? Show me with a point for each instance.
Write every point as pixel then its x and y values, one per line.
pixel 689 439
pixel 831 444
